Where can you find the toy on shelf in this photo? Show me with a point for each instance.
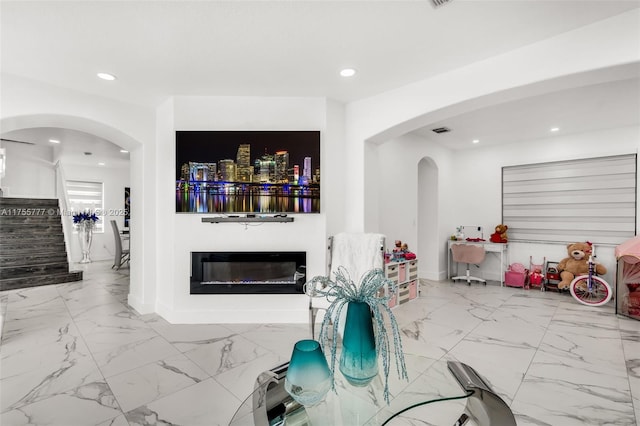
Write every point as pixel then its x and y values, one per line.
pixel 500 236
pixel 401 252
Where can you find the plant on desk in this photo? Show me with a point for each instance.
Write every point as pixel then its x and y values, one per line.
pixel 360 344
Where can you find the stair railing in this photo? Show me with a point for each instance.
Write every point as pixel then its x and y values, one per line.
pixel 65 212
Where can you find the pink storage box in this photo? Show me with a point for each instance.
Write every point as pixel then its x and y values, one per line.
pixel 394 301
pixel 413 289
pixel 516 275
pixel 402 272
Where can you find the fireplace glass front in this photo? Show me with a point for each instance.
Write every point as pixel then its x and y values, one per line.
pixel 247 272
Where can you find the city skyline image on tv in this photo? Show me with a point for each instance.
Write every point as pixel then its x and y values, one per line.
pixel 247 172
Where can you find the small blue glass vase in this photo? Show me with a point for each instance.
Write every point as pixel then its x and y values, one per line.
pixel 359 358
pixel 308 377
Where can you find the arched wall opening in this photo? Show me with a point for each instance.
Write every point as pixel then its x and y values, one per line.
pixel 117 137
pixel 571 58
pixel 102 130
pixel 397 150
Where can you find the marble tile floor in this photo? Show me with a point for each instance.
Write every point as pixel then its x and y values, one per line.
pixel 77 354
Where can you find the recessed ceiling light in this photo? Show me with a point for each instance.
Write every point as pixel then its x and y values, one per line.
pixel 100 164
pixel 348 72
pixel 54 141
pixel 106 76
pixel 475 141
pixel 554 129
pixel 124 151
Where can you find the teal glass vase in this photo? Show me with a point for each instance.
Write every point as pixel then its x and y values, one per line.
pixel 308 377
pixel 359 357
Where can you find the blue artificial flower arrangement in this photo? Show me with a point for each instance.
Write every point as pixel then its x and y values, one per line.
pixel 85 220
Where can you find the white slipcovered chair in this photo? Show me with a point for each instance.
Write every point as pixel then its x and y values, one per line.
pixel 358 253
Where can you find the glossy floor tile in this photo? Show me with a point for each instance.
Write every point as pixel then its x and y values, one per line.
pixel 76 354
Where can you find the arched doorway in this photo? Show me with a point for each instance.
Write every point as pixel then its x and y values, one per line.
pixel 428 229
pixel 117 137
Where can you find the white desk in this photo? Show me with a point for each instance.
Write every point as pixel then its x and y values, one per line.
pixel 496 248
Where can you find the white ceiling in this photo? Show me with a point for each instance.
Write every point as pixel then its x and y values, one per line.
pixel 73 146
pixel 576 110
pixel 296 48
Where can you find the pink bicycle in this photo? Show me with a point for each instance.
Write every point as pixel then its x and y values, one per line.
pixel 590 289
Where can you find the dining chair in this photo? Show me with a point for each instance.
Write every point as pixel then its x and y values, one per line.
pixel 122 255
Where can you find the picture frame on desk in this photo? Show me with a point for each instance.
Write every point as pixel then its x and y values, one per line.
pixel 473 232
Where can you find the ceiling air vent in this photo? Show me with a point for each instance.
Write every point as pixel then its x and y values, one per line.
pixel 441 130
pixel 438 3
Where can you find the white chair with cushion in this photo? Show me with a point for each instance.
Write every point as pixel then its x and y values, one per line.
pixel 358 253
pixel 468 253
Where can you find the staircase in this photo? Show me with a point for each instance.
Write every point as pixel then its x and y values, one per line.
pixel 32 248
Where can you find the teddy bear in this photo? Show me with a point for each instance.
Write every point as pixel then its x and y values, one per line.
pixel 576 264
pixel 500 236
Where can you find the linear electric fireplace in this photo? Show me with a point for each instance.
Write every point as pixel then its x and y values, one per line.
pixel 248 272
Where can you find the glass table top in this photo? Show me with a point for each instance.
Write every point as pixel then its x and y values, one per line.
pixel 433 394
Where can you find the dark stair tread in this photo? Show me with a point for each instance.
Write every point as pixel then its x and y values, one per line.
pixel 13 238
pixel 38 246
pixel 31 228
pixel 32 258
pixel 6 274
pixel 32 244
pixel 40 218
pixel 14 202
pixel 40 280
pixel 23 271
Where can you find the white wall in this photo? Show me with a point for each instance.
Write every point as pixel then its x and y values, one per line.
pixel 27 104
pixel 564 60
pixel 483 178
pixel 29 171
pixel 384 117
pixel 401 191
pixel 160 238
pixel 470 188
pixel 180 234
pixel 114 181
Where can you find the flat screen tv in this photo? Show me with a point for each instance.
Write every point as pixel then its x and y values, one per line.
pixel 265 172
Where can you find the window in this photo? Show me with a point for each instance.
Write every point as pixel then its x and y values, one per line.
pixel 87 196
pixel 579 200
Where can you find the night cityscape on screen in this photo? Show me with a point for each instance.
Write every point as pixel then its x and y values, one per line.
pixel 248 172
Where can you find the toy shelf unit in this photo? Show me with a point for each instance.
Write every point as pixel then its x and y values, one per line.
pixel 405 274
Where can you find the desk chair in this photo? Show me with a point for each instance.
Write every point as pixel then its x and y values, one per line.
pixel 357 253
pixel 122 255
pixel 468 253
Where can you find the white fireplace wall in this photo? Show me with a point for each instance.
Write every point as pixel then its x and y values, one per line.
pixel 186 232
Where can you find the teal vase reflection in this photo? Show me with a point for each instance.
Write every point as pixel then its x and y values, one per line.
pixel 308 377
pixel 359 358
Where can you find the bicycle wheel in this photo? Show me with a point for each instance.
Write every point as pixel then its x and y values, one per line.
pixel 599 295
